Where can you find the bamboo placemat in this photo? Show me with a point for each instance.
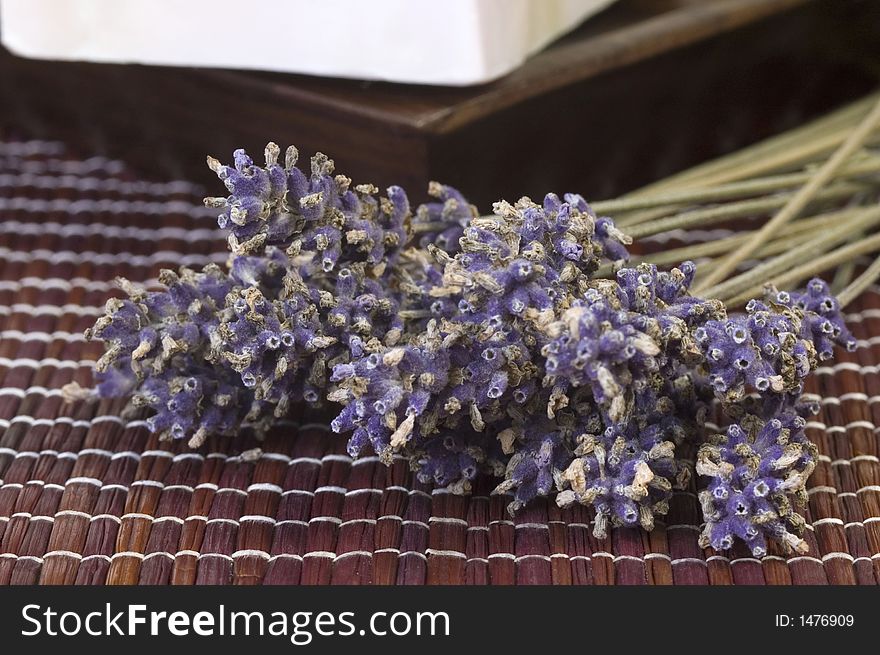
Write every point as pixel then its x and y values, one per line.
pixel 89 496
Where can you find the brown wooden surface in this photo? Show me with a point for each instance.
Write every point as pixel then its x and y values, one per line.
pixel 646 88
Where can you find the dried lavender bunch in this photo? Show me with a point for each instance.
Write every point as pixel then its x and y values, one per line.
pixel 471 344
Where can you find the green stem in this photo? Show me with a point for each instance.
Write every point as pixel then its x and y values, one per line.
pixel 846 271
pixel 731 166
pixel 860 284
pixel 759 186
pixel 828 131
pixel 795 232
pixel 805 251
pixel 739 209
pixel 798 202
pixel 830 260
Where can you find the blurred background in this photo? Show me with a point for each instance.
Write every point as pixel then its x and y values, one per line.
pixel 498 98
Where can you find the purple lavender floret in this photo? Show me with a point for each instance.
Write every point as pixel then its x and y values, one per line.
pixel 665 296
pixel 823 323
pixel 319 217
pixel 612 241
pixel 626 473
pixel 757 474
pixel 740 353
pixel 620 337
pixel 605 347
pixel 453 459
pixel 256 210
pixel 386 392
pixel 543 451
pixel 526 258
pixel 625 466
pixel 196 401
pixel 406 393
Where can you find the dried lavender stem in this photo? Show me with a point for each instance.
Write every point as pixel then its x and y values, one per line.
pixel 846 271
pixel 798 202
pixel 739 209
pixel 844 274
pixel 642 216
pixel 796 156
pixel 782 161
pixel 862 282
pixel 813 247
pixel 830 260
pixel 731 164
pixel 794 234
pixel 759 186
pixel 773 154
pixel 800 229
pixel 638 217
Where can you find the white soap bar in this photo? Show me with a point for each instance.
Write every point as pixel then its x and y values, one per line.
pixel 455 42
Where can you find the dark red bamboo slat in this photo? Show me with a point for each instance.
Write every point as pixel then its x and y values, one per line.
pixel 89 496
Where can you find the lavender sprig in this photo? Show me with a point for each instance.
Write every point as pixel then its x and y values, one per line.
pixel 757 474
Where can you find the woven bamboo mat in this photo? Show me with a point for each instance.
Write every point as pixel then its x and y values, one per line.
pixel 88 496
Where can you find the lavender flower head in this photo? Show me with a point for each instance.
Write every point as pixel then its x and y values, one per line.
pixel 757 475
pixel 162 347
pixel 500 291
pixel 472 345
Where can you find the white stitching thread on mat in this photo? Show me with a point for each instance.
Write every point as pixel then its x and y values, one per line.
pixel 86 183
pixel 89 206
pixel 112 231
pixel 116 258
pixel 65 285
